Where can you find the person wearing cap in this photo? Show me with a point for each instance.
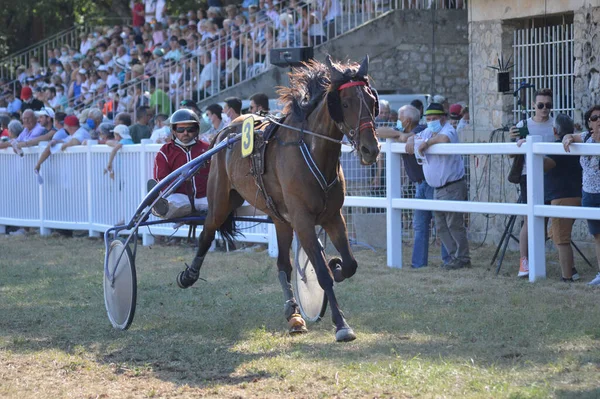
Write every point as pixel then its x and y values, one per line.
pixel 185 127
pixel 446 174
pixel 28 102
pixel 455 112
pixel 77 133
pixel 232 108
pixel 122 137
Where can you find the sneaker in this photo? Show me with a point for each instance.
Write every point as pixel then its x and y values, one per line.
pixel 523 267
pixel 575 274
pixel 596 280
pixel 161 208
pixel 567 280
pixel 456 264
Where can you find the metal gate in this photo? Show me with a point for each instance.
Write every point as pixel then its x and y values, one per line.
pixel 544 57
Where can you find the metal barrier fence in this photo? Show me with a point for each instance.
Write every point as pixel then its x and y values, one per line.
pixel 77 196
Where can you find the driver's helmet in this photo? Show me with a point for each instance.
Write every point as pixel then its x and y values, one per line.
pixel 183 116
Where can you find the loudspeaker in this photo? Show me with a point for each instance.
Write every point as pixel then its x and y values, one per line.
pixel 503 82
pixel 292 56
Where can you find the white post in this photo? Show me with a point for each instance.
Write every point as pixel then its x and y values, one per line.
pixel 393 183
pixel 273 249
pixel 535 224
pixel 147 238
pixel 44 231
pixel 90 197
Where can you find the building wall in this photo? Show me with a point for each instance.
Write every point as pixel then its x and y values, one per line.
pixel 491 27
pixel 411 51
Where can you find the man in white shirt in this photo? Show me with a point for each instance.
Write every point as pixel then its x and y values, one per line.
pixel 540 124
pixel 446 174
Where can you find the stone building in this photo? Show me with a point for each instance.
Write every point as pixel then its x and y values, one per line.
pixel 552 44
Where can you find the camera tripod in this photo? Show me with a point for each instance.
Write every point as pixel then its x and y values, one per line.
pixel 508 234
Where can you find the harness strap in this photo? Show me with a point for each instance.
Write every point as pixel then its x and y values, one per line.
pixel 314 169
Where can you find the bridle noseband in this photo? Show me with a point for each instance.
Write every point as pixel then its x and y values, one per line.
pixel 370 120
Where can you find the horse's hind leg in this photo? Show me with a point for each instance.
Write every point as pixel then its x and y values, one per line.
pixel 310 244
pixel 218 215
pixel 338 234
pixel 285 235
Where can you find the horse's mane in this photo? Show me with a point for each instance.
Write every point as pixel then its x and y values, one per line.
pixel 309 84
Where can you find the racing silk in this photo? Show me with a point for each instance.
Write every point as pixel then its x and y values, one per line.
pixel 172 156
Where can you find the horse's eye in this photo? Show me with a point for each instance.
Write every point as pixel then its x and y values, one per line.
pixel 345 105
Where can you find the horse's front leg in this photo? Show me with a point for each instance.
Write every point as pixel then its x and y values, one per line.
pixel 285 235
pixel 338 234
pixel 308 239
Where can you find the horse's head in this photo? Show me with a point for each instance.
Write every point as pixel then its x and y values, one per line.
pixel 353 106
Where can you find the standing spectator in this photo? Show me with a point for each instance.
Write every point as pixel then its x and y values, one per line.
pixel 77 134
pixel 541 124
pixel 121 138
pixel 31 129
pixel 446 174
pixel 591 175
pixel 259 103
pixel 232 108
pixel 15 128
pixel 162 131
pixel 28 102
pixel 455 114
pixel 384 111
pixel 208 84
pixel 213 112
pixel 59 137
pixel 332 9
pixel 408 118
pixel 138 15
pixel 562 186
pixel 141 130
pixel 418 104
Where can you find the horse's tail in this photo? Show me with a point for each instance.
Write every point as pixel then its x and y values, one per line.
pixel 229 230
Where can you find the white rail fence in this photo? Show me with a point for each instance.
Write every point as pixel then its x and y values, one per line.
pixel 77 195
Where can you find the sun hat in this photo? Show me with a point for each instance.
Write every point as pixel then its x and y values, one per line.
pixel 435 109
pixel 122 131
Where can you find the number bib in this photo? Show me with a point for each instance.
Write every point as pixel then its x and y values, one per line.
pixel 247 136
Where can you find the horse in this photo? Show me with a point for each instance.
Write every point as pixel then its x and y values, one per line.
pixel 302 184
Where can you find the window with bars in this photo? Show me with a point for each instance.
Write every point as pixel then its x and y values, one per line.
pixel 543 57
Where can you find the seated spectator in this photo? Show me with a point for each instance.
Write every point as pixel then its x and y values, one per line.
pixel 4 135
pixel 77 134
pixel 162 132
pixel 28 102
pixel 562 186
pixel 141 130
pixel 123 118
pixel 45 118
pixel 13 104
pixel 159 100
pixel 185 126
pixel 121 138
pixel 214 114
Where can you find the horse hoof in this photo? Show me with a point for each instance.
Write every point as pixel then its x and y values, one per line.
pixel 335 265
pixel 297 325
pixel 182 281
pixel 345 335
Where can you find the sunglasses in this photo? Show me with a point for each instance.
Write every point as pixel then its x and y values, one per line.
pixel 594 118
pixel 189 129
pixel 541 105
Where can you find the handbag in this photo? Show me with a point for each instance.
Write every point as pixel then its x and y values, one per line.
pixel 514 176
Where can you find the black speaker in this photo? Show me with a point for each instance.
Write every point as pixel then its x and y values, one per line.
pixel 503 82
pixel 292 56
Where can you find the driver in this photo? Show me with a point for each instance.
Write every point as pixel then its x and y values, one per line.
pixel 185 127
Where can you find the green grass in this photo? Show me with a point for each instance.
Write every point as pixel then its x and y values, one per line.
pixel 421 333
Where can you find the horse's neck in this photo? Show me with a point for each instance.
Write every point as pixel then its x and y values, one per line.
pixel 325 153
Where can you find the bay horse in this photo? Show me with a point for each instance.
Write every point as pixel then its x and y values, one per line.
pixel 303 184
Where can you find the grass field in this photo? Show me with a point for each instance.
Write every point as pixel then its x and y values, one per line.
pixel 421 333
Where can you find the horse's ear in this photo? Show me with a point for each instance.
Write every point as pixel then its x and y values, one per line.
pixel 335 107
pixel 364 67
pixel 335 74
